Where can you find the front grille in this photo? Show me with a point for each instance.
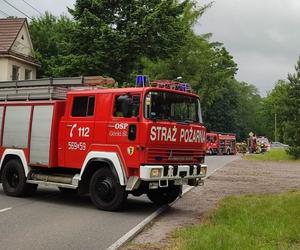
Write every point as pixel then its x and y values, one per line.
pixel 191 169
pixel 175 169
pixel 164 155
pixel 166 169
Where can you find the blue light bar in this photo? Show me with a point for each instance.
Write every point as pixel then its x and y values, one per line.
pixel 185 87
pixel 142 81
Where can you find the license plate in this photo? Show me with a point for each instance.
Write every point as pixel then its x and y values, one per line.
pixel 181 182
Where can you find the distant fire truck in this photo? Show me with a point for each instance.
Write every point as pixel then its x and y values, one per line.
pixel 212 143
pixel 220 143
pixel 108 142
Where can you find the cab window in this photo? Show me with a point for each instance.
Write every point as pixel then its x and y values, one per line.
pixel 126 106
pixel 83 106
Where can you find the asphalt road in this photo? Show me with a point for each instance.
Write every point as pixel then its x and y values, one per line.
pixel 51 220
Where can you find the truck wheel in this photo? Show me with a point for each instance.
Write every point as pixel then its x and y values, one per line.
pixel 14 180
pixel 164 196
pixel 105 190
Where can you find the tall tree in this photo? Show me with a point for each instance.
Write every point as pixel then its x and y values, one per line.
pixel 51 37
pixel 274 109
pixel 249 103
pixel 206 65
pixel 113 35
pixel 292 128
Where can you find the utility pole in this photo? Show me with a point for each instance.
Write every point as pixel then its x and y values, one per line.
pixel 275 121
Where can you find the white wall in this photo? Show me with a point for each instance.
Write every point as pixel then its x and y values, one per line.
pixel 22 44
pixel 6 65
pixel 3 69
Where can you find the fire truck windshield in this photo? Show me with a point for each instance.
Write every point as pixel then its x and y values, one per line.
pixel 163 105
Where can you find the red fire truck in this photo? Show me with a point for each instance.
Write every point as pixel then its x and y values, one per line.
pixel 107 142
pixel 227 144
pixel 220 143
pixel 212 143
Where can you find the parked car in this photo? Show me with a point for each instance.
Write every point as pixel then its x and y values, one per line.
pixel 277 144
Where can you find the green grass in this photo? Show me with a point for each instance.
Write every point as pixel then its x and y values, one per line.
pixel 247 222
pixel 272 155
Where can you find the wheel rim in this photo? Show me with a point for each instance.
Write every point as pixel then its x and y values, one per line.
pixel 105 188
pixel 13 178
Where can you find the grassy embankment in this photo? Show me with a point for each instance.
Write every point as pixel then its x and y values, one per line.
pixel 272 155
pixel 247 222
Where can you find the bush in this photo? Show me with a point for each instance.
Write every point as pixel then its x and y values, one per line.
pixel 294 152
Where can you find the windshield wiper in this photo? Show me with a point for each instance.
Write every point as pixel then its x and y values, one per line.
pixel 185 122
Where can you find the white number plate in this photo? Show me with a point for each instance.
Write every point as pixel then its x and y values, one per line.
pixel 77 146
pixel 181 182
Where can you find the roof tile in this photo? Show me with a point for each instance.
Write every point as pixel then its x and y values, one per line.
pixel 9 29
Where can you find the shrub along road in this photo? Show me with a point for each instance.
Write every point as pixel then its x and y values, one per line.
pixel 51 220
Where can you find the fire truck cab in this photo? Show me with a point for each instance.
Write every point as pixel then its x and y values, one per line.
pixel 212 143
pixel 105 142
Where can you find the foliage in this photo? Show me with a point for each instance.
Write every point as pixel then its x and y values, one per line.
pixel 247 222
pixel 51 37
pixel 235 110
pixel 292 128
pixel 294 151
pixel 112 36
pixel 274 104
pixel 277 154
pixel 227 105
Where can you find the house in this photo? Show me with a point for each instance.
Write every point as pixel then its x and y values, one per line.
pixel 17 60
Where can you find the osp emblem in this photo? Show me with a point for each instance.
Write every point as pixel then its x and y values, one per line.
pixel 130 150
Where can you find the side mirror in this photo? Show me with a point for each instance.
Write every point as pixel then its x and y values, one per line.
pixel 153 115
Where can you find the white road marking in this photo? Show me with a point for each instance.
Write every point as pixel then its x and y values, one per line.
pixel 5 209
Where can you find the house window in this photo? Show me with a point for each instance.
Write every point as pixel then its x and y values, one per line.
pixel 83 106
pixel 15 72
pixel 28 74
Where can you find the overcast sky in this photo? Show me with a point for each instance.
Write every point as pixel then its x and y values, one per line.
pixel 263 36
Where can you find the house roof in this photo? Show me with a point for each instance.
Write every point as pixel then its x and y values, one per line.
pixel 9 30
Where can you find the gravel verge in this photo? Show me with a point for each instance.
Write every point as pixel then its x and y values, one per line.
pixel 238 177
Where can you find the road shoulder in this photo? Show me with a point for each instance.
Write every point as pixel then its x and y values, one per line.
pixel 239 177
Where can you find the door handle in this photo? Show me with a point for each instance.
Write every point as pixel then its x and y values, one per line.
pixel 110 126
pixel 69 125
pixel 132 132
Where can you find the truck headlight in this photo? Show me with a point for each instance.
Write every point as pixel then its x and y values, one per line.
pixel 155 172
pixel 203 170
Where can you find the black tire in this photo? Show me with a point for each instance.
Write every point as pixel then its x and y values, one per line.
pixel 106 192
pixel 14 180
pixel 68 191
pixel 164 196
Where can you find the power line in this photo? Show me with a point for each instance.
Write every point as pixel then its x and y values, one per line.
pixel 17 9
pixel 4 13
pixel 33 7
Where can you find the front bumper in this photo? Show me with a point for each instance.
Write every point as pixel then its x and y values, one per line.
pixel 171 172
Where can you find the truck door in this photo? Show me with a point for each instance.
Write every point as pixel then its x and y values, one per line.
pixel 123 127
pixel 79 130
